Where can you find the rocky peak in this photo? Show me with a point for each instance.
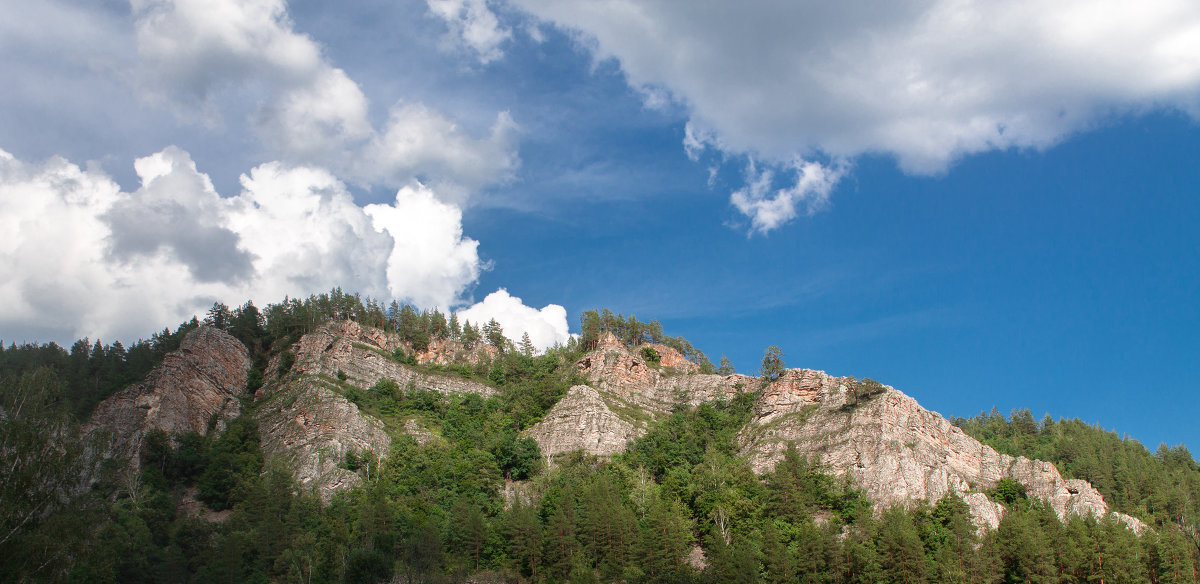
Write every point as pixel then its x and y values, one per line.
pixel 194 389
pixel 896 450
pixel 625 394
pixel 304 419
pixel 363 355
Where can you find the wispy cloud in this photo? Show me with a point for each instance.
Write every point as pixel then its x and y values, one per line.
pixel 925 82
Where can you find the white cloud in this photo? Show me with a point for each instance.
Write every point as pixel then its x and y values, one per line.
pixel 546 326
pixel 473 26
pixel 419 141
pixel 309 112
pixel 431 261
pixel 82 258
pixel 924 81
pixel 769 207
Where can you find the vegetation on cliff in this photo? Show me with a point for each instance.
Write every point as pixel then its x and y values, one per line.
pixel 476 500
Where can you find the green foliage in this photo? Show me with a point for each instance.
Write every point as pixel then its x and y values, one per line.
pixel 772 365
pixel 650 355
pixel 1161 488
pixel 233 460
pixel 91 371
pixel 46 465
pixel 680 441
pixel 286 360
pixel 1008 491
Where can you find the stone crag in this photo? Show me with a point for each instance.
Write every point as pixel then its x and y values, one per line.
pixel 194 389
pixel 897 451
pixel 305 421
pixel 312 427
pixel 363 356
pixel 625 396
pixel 893 449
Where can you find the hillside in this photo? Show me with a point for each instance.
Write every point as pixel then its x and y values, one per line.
pixel 334 450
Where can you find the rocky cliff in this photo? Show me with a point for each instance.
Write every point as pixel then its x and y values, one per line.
pixel 363 355
pixel 897 451
pixel 626 394
pixel 307 423
pixel 894 449
pixel 304 419
pixel 194 389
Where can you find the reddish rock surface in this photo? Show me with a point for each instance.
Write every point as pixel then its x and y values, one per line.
pixel 194 389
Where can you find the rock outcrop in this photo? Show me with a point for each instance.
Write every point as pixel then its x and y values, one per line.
pixel 305 420
pixel 312 427
pixel 583 421
pixel 363 356
pixel 628 394
pixel 891 447
pixel 895 450
pixel 194 389
pixel 620 372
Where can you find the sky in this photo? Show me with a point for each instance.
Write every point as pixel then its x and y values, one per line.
pixel 981 204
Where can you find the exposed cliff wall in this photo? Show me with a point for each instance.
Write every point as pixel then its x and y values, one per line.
pixel 618 371
pixel 194 389
pixel 895 450
pixel 304 420
pixel 312 427
pixel 583 421
pixel 627 394
pixel 363 355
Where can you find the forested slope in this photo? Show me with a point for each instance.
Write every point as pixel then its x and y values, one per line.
pixel 462 496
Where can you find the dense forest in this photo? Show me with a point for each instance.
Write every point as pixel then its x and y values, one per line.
pixel 478 501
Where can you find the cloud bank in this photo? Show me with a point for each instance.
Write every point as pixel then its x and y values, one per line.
pixel 197 55
pixel 926 82
pixel 86 259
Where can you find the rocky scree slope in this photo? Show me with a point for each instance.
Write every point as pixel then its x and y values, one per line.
pixel 194 389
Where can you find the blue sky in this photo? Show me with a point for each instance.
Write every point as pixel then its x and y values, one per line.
pixel 979 204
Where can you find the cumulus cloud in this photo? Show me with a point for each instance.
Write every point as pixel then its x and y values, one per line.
pixel 546 326
pixel 83 258
pixel 473 26
pixel 310 112
pixel 926 82
pixel 177 212
pixel 418 140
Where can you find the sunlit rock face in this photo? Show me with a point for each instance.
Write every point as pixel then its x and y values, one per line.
pixel 305 421
pixel 897 451
pixel 893 449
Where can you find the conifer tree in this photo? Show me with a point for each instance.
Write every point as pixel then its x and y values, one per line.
pixel 527 345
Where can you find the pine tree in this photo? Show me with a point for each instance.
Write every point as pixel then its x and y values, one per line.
pixel 494 334
pixel 772 365
pixel 726 367
pixel 527 345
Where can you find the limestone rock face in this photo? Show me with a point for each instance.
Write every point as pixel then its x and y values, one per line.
pixel 621 373
pixel 628 394
pixel 193 387
pixel 582 421
pixel 362 355
pixel 895 450
pixel 304 420
pixel 312 427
